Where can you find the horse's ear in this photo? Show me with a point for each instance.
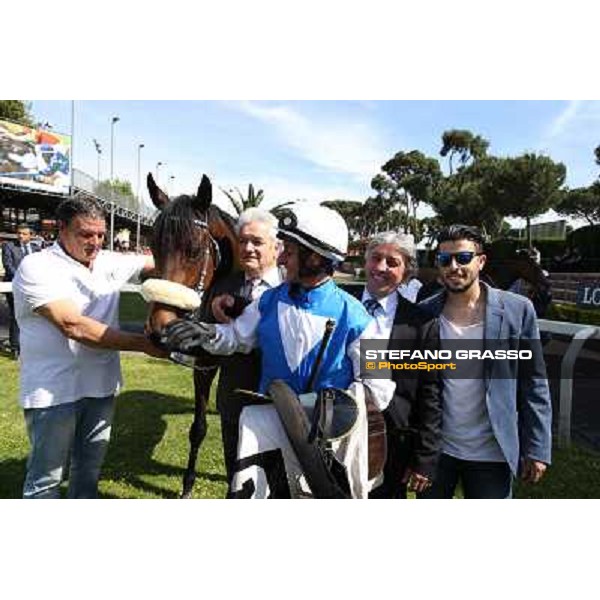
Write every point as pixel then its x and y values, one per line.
pixel 158 197
pixel 204 196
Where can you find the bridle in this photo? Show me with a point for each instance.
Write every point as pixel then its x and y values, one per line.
pixel 199 289
pixel 200 286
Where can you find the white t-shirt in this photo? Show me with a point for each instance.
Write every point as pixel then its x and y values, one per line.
pixel 54 369
pixel 466 428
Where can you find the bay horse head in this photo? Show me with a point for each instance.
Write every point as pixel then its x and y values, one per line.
pixel 193 243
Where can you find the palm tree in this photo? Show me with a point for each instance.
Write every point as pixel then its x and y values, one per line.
pixel 241 203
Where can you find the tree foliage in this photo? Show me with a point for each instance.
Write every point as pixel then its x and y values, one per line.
pixel 480 189
pixel 241 202
pixel 527 185
pixel 468 198
pixel 120 191
pixel 17 111
pixel 463 144
pixel 582 203
pixel 407 180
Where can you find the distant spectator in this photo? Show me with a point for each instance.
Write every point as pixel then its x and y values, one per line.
pixel 12 255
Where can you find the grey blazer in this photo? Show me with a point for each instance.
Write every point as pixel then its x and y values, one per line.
pixel 517 397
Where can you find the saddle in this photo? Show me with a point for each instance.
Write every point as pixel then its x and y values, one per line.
pixel 311 429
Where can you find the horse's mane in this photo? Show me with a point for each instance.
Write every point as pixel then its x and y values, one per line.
pixel 175 232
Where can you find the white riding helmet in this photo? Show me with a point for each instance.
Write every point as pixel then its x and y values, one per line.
pixel 319 228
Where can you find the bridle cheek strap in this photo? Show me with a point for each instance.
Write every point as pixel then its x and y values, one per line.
pixel 199 289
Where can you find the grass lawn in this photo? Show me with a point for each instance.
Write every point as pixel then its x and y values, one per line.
pixel 148 451
pixel 132 308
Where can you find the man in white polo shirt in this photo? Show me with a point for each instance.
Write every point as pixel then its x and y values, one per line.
pixel 66 304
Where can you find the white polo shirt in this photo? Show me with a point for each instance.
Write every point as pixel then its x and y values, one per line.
pixel 54 369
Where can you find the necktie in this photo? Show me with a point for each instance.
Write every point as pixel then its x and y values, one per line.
pixel 372 306
pixel 250 287
pixel 25 249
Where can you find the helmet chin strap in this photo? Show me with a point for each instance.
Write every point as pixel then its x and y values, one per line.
pixel 305 269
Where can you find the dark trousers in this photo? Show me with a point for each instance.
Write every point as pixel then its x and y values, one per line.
pixel 398 455
pixel 13 328
pixel 229 436
pixel 478 479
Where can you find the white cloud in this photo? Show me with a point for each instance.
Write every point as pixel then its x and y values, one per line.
pixel 571 138
pixel 577 123
pixel 352 148
pixel 563 120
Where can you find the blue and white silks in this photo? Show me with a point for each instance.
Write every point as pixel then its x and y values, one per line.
pixel 288 327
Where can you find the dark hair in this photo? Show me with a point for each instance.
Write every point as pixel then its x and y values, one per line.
pixel 70 208
pixel 457 232
pixel 325 266
pixel 175 232
pixel 23 226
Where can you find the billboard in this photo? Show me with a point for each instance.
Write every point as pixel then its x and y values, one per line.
pixel 34 158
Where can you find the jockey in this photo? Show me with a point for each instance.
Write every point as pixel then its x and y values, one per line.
pixel 288 323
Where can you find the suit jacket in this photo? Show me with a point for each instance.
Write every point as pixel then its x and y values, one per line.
pixel 416 408
pixel 414 415
pixel 12 255
pixel 517 395
pixel 237 370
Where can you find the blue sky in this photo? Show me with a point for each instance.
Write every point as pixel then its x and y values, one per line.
pixel 318 150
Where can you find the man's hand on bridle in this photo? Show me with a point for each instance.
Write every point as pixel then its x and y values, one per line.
pixel 219 305
pixel 186 336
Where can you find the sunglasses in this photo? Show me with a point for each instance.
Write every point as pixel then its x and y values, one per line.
pixel 444 259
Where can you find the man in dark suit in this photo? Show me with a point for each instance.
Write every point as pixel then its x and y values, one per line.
pixel 12 255
pixel 413 417
pixel 258 246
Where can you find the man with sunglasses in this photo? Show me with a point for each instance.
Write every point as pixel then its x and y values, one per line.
pixel 496 423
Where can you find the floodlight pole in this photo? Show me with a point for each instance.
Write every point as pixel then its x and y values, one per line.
pixel 72 145
pixel 98 152
pixel 112 193
pixel 139 197
pixel 112 146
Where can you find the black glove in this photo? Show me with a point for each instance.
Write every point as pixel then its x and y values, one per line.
pixel 187 336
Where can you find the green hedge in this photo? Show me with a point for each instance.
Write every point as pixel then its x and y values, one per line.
pixel 572 314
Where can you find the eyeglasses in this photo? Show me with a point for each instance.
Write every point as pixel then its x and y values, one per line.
pixel 444 259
